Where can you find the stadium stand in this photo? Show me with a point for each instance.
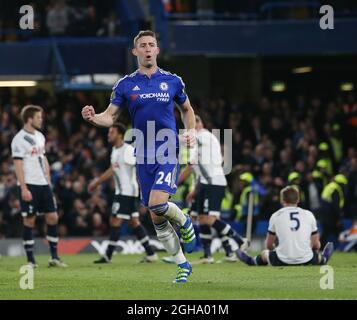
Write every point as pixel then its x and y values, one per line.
pixel 272 135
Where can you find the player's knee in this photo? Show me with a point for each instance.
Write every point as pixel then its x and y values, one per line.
pixel 115 222
pixel 211 220
pixel 202 219
pixel 52 218
pixel 29 222
pixel 159 209
pixel 134 222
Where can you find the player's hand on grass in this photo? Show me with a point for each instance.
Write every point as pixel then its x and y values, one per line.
pixel 26 194
pixel 189 138
pixel 88 113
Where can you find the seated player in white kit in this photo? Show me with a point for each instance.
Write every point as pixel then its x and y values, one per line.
pixel 297 234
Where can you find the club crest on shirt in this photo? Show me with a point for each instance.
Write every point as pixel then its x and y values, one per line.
pixel 164 86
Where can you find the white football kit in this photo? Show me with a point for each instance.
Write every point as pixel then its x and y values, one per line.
pixel 293 227
pixel 206 157
pixel 123 163
pixel 30 148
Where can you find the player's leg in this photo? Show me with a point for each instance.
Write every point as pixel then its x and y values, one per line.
pixel 121 210
pixel 28 241
pixel 165 179
pixel 168 237
pixel 52 238
pixel 47 205
pixel 212 206
pixel 260 260
pixel 206 239
pixel 155 186
pixel 52 233
pixel 114 235
pixel 226 233
pixel 28 212
pixel 205 229
pixel 142 235
pixel 160 206
pixel 164 230
pixel 194 217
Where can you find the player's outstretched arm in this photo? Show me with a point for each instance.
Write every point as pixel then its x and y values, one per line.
pixel 98 181
pixel 104 119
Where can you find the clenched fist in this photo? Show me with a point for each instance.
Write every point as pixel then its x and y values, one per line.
pixel 189 138
pixel 88 113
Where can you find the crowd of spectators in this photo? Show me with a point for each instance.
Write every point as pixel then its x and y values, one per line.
pixel 258 9
pixel 95 18
pixel 270 139
pixel 60 18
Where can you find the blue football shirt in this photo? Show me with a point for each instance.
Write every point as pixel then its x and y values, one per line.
pixel 150 101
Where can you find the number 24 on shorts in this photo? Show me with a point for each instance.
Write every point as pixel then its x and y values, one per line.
pixel 161 179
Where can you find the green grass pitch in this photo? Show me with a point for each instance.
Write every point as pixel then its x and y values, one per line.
pixel 125 278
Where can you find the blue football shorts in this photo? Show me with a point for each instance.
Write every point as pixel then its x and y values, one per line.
pixel 157 176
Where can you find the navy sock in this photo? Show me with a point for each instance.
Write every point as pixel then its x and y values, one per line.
pixel 224 229
pixel 52 237
pixel 28 242
pixel 206 239
pixel 113 238
pixel 142 236
pixel 227 246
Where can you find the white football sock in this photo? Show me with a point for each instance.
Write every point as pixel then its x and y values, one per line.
pixel 169 239
pixel 175 214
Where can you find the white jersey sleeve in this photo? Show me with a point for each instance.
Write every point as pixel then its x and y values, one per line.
pixel 17 149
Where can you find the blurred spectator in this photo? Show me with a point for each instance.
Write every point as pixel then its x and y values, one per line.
pixel 110 27
pixel 78 220
pixel 58 18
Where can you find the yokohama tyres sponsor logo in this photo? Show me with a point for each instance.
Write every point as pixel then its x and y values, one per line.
pixel 154 95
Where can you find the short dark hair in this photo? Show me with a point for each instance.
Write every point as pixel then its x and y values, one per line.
pixel 29 112
pixel 290 194
pixel 120 128
pixel 144 33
